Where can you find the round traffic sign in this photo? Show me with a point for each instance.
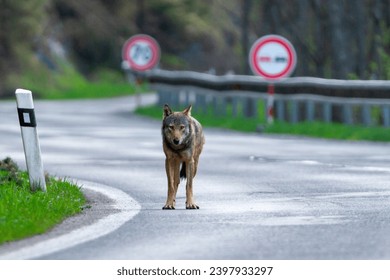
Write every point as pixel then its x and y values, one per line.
pixel 141 52
pixel 272 57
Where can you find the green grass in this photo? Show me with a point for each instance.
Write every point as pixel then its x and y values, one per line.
pixel 24 213
pixel 89 90
pixel 239 123
pixel 67 83
pixel 311 129
pixel 331 131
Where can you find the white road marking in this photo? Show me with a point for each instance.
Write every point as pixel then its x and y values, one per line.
pixel 126 205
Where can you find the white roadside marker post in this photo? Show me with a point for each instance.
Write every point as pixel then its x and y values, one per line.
pixel 32 150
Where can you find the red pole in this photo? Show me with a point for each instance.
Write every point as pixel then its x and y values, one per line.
pixel 270 103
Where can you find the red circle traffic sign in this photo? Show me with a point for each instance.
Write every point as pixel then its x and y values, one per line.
pixel 141 52
pixel 272 57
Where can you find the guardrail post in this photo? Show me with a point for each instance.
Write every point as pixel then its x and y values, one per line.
pixel 214 102
pixel 255 109
pixel 366 115
pixel 250 107
pixel 198 103
pixel 163 97
pixel 223 106
pixel 386 115
pixel 235 106
pixel 219 106
pixel 309 110
pixel 181 97
pixel 192 96
pixel 32 150
pixel 185 96
pixel 347 112
pixel 280 109
pixel 175 99
pixel 160 98
pixel 246 107
pixel 294 111
pixel 327 112
pixel 204 103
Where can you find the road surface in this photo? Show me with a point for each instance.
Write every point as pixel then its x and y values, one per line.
pixel 260 196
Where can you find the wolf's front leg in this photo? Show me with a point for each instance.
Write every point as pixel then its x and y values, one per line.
pixel 170 166
pixel 190 170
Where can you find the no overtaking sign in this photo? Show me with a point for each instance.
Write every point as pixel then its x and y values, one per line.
pixel 273 57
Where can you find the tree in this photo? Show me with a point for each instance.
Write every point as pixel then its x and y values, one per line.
pixel 341 62
pixel 20 23
pixel 245 15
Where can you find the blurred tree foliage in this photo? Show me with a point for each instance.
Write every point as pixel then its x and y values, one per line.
pixel 186 30
pixel 21 23
pixel 333 38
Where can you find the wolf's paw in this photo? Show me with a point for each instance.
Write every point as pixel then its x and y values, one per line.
pixel 191 206
pixel 168 207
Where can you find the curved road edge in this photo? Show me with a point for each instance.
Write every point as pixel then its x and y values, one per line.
pixel 120 208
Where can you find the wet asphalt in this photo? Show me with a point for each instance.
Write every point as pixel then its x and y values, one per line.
pixel 260 196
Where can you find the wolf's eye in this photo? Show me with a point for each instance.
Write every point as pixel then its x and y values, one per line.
pixel 171 127
pixel 182 126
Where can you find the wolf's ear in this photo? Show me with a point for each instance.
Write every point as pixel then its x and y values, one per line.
pixel 187 111
pixel 167 111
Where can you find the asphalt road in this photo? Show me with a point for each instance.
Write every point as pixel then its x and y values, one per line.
pixel 260 196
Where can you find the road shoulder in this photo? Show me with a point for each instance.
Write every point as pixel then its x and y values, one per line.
pixel 107 208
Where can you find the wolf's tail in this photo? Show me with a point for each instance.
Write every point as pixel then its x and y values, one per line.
pixel 183 173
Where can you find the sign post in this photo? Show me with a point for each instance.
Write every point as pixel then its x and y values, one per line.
pixel 273 58
pixel 32 150
pixel 270 103
pixel 140 53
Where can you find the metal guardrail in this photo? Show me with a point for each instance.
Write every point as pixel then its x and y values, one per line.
pixel 295 99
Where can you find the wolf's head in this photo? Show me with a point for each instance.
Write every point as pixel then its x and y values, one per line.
pixel 176 127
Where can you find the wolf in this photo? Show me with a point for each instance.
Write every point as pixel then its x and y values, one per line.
pixel 183 141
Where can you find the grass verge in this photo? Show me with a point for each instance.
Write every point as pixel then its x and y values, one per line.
pixel 24 213
pixel 311 129
pixel 331 131
pixel 67 83
pixel 239 123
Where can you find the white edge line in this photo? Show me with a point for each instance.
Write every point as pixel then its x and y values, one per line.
pixel 126 205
